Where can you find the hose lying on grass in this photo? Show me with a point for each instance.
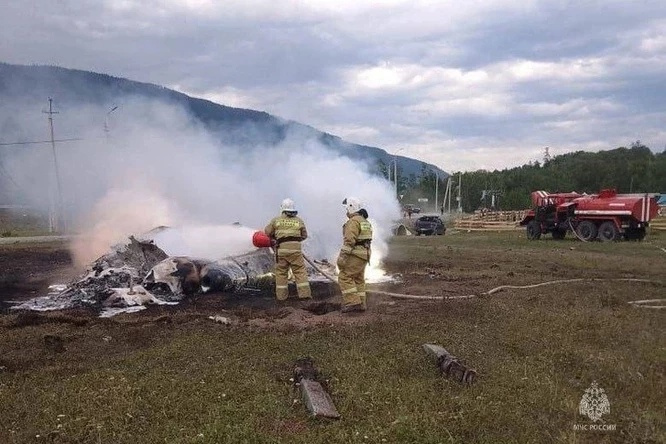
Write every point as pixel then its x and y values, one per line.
pixel 504 287
pixel 647 303
pixel 642 303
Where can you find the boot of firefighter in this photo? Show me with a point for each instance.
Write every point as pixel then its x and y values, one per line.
pixel 301 276
pixel 281 282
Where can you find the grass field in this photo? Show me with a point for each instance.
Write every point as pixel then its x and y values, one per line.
pixel 170 375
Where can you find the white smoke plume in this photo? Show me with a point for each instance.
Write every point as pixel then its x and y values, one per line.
pixel 157 166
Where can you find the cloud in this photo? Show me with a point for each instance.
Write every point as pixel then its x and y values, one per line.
pixel 478 79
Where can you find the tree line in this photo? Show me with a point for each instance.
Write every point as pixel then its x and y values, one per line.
pixel 628 170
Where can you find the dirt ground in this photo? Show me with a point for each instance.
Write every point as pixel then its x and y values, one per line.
pixel 536 351
pixel 26 270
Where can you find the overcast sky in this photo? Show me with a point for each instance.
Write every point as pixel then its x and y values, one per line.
pixel 461 84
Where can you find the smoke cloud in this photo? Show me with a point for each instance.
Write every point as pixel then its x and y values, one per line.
pixel 156 166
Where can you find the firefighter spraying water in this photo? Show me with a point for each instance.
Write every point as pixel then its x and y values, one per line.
pixel 352 261
pixel 287 231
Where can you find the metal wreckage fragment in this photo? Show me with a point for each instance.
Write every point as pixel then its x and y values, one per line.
pixel 113 280
pixel 139 273
pixel 183 275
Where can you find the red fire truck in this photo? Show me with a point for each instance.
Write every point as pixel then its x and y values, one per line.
pixel 607 216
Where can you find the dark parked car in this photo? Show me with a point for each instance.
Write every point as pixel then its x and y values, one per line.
pixel 429 225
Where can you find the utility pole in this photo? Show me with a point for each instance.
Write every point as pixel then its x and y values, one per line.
pixel 106 121
pixel 459 192
pixel 449 186
pixel 436 191
pixel 395 173
pixel 55 202
pixel 395 170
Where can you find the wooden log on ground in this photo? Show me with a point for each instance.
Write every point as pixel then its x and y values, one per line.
pixel 317 400
pixel 314 395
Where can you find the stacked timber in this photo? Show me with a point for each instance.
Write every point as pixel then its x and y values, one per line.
pixel 483 220
pixel 659 222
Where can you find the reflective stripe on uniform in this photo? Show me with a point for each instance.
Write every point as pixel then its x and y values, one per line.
pixel 349 290
pixel 361 293
pixel 285 250
pixel 286 233
pixel 281 286
pixel 303 284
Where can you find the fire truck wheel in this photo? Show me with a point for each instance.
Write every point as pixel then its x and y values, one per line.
pixel 608 232
pixel 533 230
pixel 587 230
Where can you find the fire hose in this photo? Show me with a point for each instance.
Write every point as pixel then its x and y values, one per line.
pixel 641 303
pixel 575 232
pixel 647 303
pixel 314 265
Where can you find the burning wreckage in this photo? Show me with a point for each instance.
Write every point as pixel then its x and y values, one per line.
pixel 139 273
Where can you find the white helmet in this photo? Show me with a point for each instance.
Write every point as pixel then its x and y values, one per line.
pixel 352 204
pixel 288 205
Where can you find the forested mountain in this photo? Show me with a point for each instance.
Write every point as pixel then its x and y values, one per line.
pixel 32 85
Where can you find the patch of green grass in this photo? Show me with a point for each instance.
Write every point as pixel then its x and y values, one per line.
pixel 26 233
pixel 536 351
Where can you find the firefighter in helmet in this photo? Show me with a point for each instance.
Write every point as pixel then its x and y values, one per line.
pixel 287 232
pixel 354 256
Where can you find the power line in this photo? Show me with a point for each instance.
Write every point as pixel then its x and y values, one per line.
pixel 41 141
pixel 4 171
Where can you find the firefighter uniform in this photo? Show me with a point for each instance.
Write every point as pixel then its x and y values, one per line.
pixel 353 258
pixel 288 232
